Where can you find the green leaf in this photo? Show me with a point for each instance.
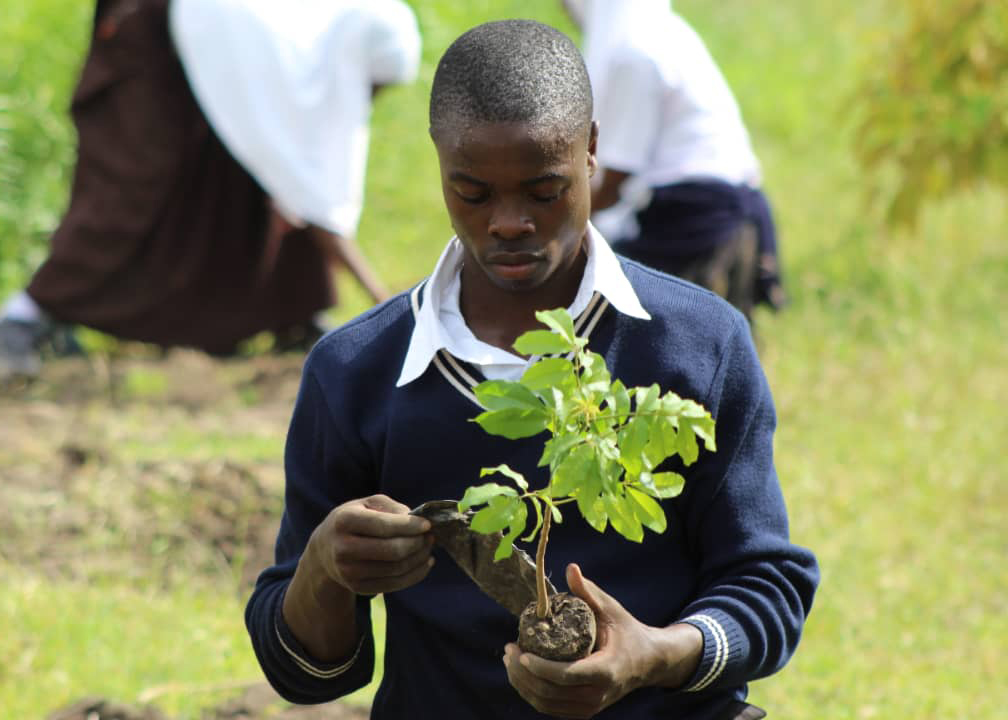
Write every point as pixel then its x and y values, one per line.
pixel 517 477
pixel 668 484
pixel 497 515
pixel 610 472
pixel 592 509
pixel 606 446
pixel 672 405
pixel 633 438
pixel 559 321
pixel 481 494
pixel 663 442
pixel 541 342
pixel 647 398
pixel 539 518
pixel 701 422
pixel 557 447
pixel 505 548
pixel 573 471
pixel 686 442
pixel 517 524
pixel 647 510
pixel 502 394
pixel 548 374
pixel 618 401
pixel 623 518
pixel 513 423
pixel 561 406
pixel 595 375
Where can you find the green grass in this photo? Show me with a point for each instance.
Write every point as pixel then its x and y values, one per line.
pixel 182 649
pixel 888 370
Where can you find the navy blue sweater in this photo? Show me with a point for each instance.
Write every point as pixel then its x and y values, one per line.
pixel 725 563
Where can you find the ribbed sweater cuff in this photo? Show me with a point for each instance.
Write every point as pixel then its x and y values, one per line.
pixel 725 647
pixel 298 657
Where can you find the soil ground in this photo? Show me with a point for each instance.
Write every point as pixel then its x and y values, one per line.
pixel 161 465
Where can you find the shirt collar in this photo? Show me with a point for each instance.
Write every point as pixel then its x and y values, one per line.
pixel 602 274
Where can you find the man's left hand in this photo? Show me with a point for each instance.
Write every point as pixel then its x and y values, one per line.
pixel 628 655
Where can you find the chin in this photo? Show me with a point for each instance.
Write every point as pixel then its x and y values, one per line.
pixel 518 286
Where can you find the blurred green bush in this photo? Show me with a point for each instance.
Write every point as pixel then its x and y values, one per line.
pixel 932 105
pixel 42 45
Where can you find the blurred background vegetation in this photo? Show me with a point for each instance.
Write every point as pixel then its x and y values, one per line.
pixel 883 130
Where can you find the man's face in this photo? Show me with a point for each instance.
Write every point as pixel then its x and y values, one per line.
pixel 519 200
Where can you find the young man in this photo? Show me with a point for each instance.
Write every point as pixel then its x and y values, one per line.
pixel 680 183
pixel 382 424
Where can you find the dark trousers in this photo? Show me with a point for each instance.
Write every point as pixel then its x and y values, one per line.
pixel 716 234
pixel 729 269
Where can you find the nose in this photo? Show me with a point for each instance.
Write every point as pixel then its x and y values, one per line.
pixel 510 221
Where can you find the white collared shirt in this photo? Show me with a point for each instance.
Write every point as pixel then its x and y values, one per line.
pixel 440 325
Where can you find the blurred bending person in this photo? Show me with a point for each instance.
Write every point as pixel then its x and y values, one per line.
pixel 680 184
pixel 220 171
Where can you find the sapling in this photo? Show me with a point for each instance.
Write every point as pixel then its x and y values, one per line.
pixel 606 443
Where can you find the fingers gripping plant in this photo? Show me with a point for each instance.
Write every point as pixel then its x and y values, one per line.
pixel 605 443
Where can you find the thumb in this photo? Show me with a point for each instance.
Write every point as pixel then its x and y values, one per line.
pixel 383 503
pixel 585 589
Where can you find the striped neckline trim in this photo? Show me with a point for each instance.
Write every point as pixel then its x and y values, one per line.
pixel 459 374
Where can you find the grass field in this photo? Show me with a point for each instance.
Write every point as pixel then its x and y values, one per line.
pixel 888 369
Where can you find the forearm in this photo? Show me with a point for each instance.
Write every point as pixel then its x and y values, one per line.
pixel 320 613
pixel 346 251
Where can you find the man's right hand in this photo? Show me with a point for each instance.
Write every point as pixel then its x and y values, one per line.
pixel 372 545
pixel 363 547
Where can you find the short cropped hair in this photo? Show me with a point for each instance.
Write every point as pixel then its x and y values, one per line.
pixel 512 71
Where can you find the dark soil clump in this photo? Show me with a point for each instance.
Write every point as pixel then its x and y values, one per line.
pixel 566 634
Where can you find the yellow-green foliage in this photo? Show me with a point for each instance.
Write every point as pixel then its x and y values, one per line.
pixel 934 103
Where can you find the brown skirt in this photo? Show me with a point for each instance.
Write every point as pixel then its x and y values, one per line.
pixel 165 239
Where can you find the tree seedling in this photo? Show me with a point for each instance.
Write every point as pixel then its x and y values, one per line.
pixel 606 443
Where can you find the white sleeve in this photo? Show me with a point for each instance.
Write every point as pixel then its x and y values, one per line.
pixel 629 113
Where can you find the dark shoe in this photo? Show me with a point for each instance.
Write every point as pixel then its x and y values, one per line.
pixel 23 344
pixel 62 342
pixel 19 348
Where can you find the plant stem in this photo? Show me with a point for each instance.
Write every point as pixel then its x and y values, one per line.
pixel 542 600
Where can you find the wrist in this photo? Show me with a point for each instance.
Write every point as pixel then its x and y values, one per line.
pixel 678 650
pixel 319 611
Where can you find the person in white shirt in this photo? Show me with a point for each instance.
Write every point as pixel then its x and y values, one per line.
pixel 288 87
pixel 680 182
pixel 220 171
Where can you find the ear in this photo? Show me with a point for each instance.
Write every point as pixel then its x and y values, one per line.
pixel 592 146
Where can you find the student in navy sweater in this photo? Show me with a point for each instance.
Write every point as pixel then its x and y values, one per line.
pixel 382 423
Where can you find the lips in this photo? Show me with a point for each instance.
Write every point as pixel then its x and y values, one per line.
pixel 515 266
pixel 512 258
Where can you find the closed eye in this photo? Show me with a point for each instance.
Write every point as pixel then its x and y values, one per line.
pixel 548 193
pixel 473 199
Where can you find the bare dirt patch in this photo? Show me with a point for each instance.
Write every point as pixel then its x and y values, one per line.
pixel 123 456
pixel 123 461
pixel 164 466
